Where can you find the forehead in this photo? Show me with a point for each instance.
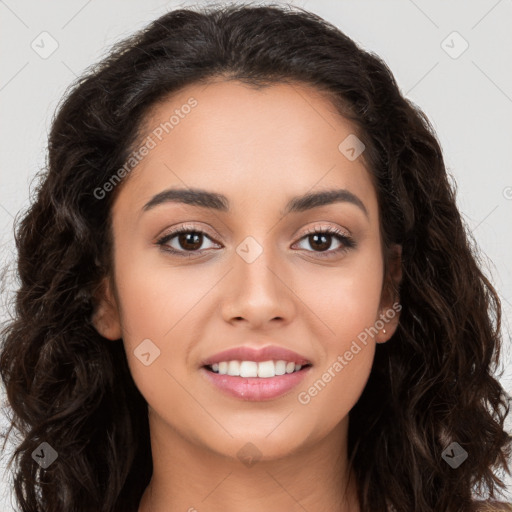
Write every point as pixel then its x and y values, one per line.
pixel 230 137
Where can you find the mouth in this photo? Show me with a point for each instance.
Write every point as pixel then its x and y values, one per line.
pixel 252 381
pixel 253 369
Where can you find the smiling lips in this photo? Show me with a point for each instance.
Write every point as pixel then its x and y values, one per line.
pixel 256 374
pixel 264 370
pixel 269 353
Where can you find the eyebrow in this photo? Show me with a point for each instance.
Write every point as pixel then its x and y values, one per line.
pixel 219 202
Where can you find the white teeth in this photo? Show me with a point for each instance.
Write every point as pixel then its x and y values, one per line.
pixel 248 369
pixel 280 367
pixel 234 368
pixel 264 370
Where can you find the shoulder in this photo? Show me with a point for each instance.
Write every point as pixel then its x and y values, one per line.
pixel 492 506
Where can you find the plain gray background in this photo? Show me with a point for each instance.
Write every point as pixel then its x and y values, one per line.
pixel 466 93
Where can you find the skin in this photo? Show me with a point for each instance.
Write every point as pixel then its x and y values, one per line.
pixel 259 148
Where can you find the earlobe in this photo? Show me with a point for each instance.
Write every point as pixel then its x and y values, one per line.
pixel 106 314
pixel 390 319
pixel 381 336
pixel 390 307
pixel 388 322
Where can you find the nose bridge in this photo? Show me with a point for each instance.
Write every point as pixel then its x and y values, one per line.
pixel 260 294
pixel 254 260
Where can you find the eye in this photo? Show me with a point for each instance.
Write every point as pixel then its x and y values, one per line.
pixel 320 239
pixel 183 240
pixel 188 240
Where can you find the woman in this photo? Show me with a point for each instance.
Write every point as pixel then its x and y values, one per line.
pixel 245 285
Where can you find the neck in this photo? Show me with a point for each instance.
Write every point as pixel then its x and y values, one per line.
pixel 190 477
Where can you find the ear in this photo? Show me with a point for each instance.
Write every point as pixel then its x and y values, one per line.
pixel 106 318
pixel 390 307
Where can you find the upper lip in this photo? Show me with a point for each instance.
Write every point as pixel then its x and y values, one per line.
pixel 268 353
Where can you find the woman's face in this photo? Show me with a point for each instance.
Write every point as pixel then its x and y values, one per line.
pixel 254 276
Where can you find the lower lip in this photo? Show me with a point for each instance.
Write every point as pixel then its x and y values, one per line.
pixel 256 388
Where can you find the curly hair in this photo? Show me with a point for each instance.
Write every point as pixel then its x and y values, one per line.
pixel 431 385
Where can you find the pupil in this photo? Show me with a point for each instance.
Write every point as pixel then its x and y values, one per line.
pixel 190 240
pixel 324 244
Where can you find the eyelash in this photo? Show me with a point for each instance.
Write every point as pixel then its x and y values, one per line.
pixel 346 241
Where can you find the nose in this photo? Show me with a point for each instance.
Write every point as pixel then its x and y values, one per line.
pixel 258 291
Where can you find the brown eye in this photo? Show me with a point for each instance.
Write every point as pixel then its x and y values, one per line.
pixel 190 241
pixel 185 241
pixel 320 241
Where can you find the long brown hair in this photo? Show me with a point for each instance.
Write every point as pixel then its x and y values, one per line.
pixel 431 385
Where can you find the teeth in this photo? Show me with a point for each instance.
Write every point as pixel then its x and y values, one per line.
pixel 280 367
pixel 263 370
pixel 266 369
pixel 233 368
pixel 248 369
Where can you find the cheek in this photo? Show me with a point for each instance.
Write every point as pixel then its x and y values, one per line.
pixel 154 304
pixel 346 299
pixel 327 399
pixel 155 297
